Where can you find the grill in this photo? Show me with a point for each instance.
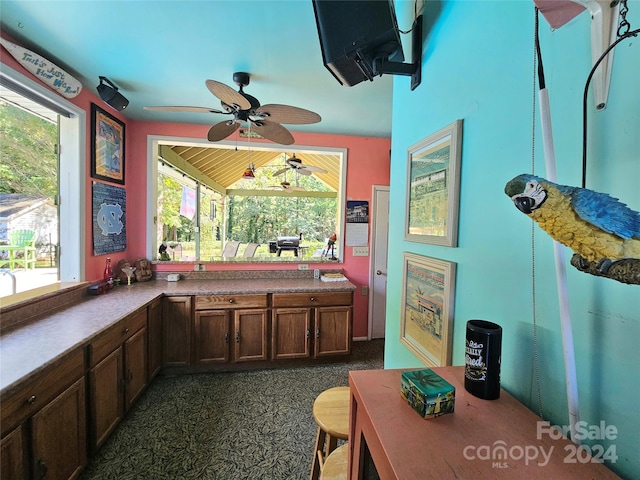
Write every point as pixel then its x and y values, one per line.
pixel 285 243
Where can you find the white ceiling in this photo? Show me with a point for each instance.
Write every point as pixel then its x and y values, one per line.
pixel 161 53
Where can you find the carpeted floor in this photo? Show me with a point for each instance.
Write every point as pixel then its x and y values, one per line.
pixel 225 426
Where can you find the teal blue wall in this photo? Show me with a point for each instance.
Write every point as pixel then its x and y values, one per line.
pixel 478 66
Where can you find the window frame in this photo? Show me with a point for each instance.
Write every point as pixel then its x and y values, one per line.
pixel 72 140
pixel 153 148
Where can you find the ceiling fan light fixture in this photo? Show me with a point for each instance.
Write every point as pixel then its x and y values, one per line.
pixel 248 174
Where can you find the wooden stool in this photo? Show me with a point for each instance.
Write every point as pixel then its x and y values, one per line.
pixel 331 413
pixel 335 467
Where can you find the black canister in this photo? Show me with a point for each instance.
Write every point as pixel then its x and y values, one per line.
pixel 482 359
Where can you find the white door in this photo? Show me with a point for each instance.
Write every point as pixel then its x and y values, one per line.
pixel 378 266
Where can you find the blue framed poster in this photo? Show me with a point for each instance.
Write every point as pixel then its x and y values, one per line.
pixel 109 206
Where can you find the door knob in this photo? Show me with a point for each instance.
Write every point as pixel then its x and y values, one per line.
pixel 378 272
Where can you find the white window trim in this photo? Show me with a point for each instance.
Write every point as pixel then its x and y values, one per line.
pixel 71 177
pixel 153 145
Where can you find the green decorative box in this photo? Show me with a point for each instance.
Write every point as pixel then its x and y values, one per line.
pixel 428 393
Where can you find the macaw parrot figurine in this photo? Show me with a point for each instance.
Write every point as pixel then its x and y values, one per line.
pixel 600 229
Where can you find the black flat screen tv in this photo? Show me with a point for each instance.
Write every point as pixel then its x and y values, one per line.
pixel 355 36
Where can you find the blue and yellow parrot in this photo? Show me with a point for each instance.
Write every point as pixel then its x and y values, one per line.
pixel 594 225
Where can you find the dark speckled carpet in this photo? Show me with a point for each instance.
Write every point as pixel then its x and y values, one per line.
pixel 226 426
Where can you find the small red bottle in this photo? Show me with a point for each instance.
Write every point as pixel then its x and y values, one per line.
pixel 108 272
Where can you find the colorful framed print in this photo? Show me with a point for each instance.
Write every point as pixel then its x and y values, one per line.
pixel 433 182
pixel 107 146
pixel 428 286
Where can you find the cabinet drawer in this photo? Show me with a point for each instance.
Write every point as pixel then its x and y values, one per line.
pixel 37 392
pixel 312 299
pixel 116 335
pixel 208 302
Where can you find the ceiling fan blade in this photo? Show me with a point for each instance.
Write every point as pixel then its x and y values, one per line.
pixel 281 171
pixel 297 189
pixel 185 109
pixel 228 95
pixel 222 130
pixel 273 131
pixel 311 169
pixel 303 171
pixel 287 114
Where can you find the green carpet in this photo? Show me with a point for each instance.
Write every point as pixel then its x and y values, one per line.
pixel 226 426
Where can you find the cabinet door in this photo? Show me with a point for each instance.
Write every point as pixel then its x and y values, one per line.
pixel 333 331
pixel 58 433
pixel 135 367
pixel 211 337
pixel 176 331
pixel 290 333
pixel 154 335
pixel 12 455
pixel 106 393
pixel 250 331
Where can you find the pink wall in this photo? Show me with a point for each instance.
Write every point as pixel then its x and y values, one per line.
pixel 368 164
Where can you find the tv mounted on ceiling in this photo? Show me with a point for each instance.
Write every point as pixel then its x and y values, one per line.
pixel 360 40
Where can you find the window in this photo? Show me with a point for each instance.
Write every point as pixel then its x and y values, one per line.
pixel 71 179
pixel 202 201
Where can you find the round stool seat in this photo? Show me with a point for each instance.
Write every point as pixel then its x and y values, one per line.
pixel 331 411
pixel 335 467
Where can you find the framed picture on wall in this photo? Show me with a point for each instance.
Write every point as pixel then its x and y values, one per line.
pixel 428 286
pixel 433 183
pixel 107 146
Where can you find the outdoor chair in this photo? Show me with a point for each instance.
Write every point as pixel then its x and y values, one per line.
pixel 21 242
pixel 230 249
pixel 250 251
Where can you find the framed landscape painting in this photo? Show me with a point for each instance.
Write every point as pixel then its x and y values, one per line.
pixel 428 286
pixel 433 183
pixel 107 146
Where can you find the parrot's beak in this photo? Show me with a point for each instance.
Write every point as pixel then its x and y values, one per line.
pixel 524 204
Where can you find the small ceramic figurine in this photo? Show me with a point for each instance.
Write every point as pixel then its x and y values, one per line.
pixel 143 270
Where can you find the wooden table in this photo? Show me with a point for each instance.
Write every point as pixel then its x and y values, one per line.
pixel 464 444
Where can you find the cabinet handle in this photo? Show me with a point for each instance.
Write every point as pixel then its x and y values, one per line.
pixel 231 300
pixel 237 337
pixel 308 333
pixel 31 400
pixel 312 299
pixel 42 469
pixel 125 331
pixel 226 337
pixel 317 333
pixel 130 376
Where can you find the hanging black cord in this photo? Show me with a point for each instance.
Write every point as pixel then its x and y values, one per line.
pixel 541 81
pixel 632 33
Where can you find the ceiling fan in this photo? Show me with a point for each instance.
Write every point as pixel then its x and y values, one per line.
pixel 263 119
pixel 297 165
pixel 287 187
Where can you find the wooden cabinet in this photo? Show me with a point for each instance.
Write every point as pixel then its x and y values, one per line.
pixel 176 331
pixel 227 329
pixel 212 337
pixel 154 336
pixel 118 374
pixel 44 423
pixel 250 335
pixel 292 331
pixel 332 331
pixel 230 328
pixel 59 435
pixel 13 454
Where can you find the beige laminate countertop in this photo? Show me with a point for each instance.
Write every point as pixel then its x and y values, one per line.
pixel 28 349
